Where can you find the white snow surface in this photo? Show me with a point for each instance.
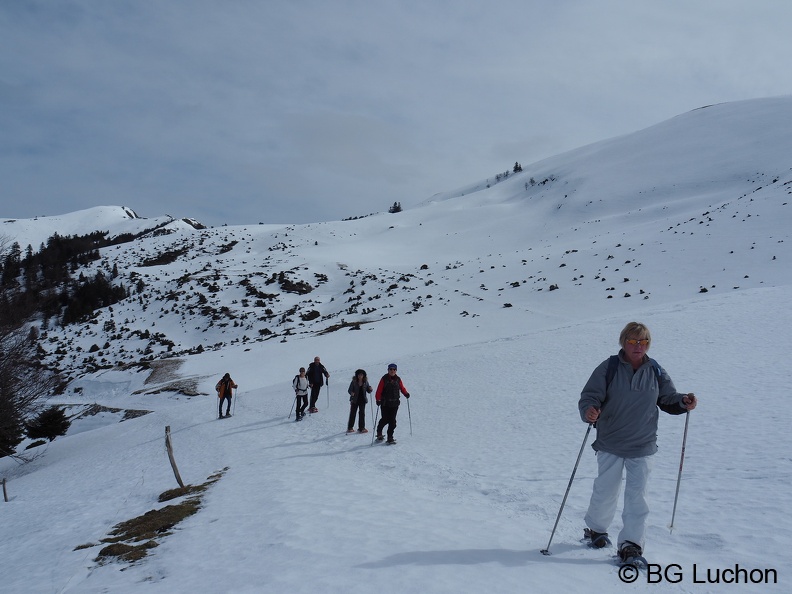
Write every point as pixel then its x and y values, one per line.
pixel 468 497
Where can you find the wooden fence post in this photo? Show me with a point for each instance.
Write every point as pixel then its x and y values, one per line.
pixel 170 456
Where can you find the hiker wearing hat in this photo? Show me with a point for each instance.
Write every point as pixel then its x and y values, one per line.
pixel 358 390
pixel 224 389
pixel 388 400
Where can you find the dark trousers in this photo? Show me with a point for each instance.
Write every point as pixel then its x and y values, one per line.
pixel 315 394
pixel 220 405
pixel 388 418
pixel 302 404
pixel 360 409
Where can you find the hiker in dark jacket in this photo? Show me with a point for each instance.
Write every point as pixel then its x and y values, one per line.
pixel 358 390
pixel 316 375
pixel 224 392
pixel 388 400
pixel 625 410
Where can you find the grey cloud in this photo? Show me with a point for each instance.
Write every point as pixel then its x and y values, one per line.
pixel 307 110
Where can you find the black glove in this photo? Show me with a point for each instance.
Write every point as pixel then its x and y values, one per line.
pixel 378 403
pixel 407 396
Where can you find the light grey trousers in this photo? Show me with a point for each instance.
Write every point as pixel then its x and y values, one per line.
pixel 605 496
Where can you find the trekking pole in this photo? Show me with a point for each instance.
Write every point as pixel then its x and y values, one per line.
pixel 409 416
pixel 235 396
pixel 328 392
pixel 374 426
pixel 546 550
pixel 679 477
pixel 294 401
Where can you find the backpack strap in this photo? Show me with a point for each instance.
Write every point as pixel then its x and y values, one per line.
pixel 657 369
pixel 613 365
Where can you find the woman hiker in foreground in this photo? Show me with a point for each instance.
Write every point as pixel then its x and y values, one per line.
pixel 622 397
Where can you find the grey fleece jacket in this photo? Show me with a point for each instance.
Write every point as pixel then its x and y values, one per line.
pixel 627 425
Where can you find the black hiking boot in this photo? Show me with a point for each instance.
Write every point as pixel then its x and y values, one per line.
pixel 629 550
pixel 596 540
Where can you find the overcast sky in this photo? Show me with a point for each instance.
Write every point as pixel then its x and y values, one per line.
pixel 295 111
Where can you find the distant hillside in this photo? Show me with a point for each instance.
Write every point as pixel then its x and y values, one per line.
pixel 113 220
pixel 695 204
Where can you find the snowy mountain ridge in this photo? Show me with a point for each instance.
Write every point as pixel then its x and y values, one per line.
pixel 113 220
pixel 496 304
pixel 578 228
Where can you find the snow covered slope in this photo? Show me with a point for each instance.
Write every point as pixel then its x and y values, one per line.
pixel 497 303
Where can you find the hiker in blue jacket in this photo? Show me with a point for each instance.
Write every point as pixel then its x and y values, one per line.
pixel 625 410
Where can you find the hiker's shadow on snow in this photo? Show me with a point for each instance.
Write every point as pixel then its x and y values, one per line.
pixel 257 426
pixel 325 454
pixel 505 557
pixel 327 438
pixel 264 423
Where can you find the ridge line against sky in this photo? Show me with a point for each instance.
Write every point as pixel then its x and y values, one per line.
pixel 246 112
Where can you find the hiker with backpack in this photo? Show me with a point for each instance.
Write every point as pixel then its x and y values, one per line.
pixel 621 399
pixel 300 384
pixel 358 389
pixel 224 392
pixel 387 395
pixel 316 375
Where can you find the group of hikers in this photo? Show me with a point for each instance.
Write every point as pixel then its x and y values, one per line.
pixel 313 378
pixel 387 396
pixel 621 399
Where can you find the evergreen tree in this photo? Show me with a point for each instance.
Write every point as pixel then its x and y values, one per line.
pixel 49 424
pixel 12 265
pixel 23 381
pixel 11 431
